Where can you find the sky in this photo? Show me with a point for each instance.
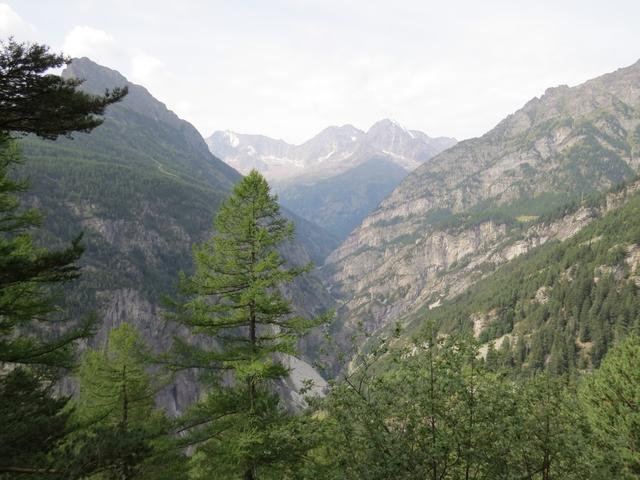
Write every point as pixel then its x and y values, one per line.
pixel 289 68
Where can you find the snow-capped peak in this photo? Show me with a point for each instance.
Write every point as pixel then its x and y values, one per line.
pixel 232 138
pixel 401 127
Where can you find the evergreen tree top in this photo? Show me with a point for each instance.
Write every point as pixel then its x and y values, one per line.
pixel 33 101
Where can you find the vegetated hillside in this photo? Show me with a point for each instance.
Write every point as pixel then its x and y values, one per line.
pixel 562 305
pixel 464 202
pixel 142 132
pixel 143 188
pixel 339 176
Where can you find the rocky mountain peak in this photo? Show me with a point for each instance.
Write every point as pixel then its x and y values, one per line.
pixel 191 157
pixel 332 143
pixel 330 152
pixel 389 135
pixel 388 125
pixel 98 78
pixel 615 91
pixel 339 132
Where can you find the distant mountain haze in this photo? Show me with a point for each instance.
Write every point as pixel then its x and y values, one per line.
pixel 332 151
pixel 339 176
pixel 421 220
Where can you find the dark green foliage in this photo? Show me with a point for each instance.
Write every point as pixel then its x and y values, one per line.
pixel 48 106
pixel 550 438
pixel 435 411
pixel 565 302
pixel 27 277
pixel 426 418
pixel 34 101
pixel 588 156
pixel 36 336
pixel 612 399
pixel 103 452
pixel 33 422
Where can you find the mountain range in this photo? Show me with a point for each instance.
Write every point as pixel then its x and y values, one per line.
pixel 526 236
pixel 339 176
pixel 332 151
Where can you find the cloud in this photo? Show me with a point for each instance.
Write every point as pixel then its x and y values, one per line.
pixel 11 24
pixel 134 63
pixel 144 67
pixel 84 41
pixel 288 68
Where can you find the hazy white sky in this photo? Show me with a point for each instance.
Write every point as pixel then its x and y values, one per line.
pixel 288 68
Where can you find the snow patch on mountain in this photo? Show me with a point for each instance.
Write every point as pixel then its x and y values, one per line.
pixel 331 152
pixel 234 141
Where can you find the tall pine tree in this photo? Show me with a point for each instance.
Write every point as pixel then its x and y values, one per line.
pixel 234 299
pixel 34 101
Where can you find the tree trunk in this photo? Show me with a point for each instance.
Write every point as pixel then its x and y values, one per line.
pixel 126 474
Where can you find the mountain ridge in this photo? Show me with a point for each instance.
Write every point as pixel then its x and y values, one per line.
pixel 554 150
pixel 323 151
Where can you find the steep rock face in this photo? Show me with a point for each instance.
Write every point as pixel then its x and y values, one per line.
pixel 143 187
pixel 568 143
pixel 475 264
pixel 561 306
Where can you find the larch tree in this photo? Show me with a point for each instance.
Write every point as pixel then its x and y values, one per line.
pixel 233 301
pixel 120 433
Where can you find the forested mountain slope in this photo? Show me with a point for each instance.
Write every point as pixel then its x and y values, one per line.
pixel 562 305
pixel 464 202
pixel 143 188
